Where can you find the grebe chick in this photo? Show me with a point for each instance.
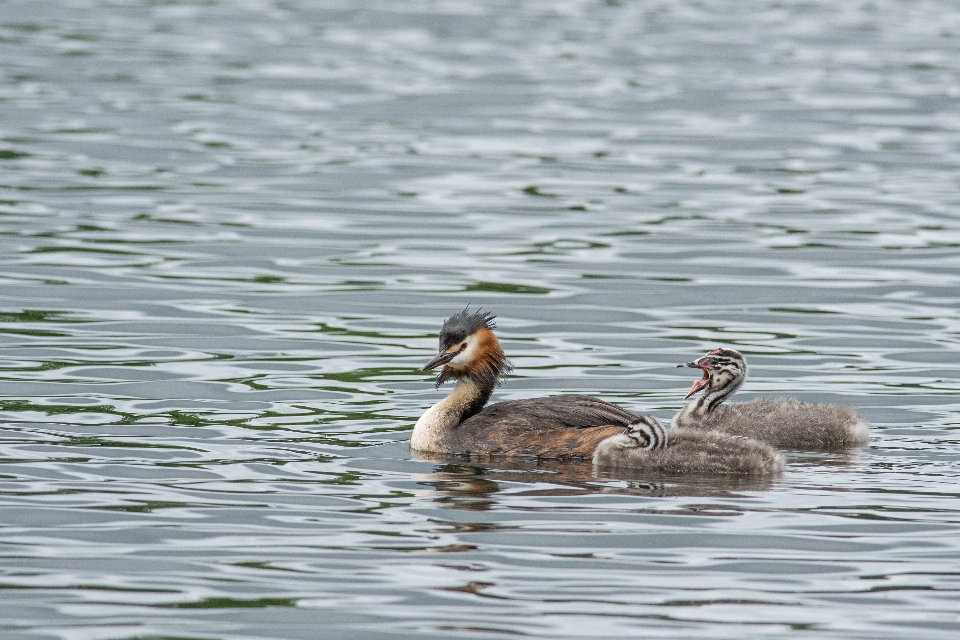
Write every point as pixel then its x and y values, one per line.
pixel 785 423
pixel 566 426
pixel 646 445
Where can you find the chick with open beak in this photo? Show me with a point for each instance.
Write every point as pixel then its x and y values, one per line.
pixel 781 422
pixel 702 383
pixel 723 370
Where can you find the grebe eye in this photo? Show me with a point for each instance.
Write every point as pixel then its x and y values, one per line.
pixel 463 346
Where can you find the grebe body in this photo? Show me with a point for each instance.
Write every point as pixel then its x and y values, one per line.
pixel 785 423
pixel 566 426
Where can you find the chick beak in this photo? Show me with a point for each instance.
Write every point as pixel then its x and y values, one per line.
pixel 443 358
pixel 699 385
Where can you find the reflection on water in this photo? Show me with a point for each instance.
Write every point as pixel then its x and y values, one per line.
pixel 464 485
pixel 229 233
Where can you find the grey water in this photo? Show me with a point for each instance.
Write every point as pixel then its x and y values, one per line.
pixel 230 231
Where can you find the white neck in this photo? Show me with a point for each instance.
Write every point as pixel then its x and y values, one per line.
pixel 435 426
pixel 721 387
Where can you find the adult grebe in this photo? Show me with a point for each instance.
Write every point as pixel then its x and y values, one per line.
pixel 646 445
pixel 784 423
pixel 566 426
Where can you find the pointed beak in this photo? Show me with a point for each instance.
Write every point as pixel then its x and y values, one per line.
pixel 701 384
pixel 443 358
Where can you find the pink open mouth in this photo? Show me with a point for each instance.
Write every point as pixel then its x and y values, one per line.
pixel 699 385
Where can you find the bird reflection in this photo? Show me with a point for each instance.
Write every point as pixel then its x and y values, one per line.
pixel 473 483
pixel 462 486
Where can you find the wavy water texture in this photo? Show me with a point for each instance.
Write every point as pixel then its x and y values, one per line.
pixel 229 232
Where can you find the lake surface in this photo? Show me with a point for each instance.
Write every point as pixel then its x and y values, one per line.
pixel 230 231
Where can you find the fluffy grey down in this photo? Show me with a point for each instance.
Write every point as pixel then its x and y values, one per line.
pixel 784 423
pixel 691 451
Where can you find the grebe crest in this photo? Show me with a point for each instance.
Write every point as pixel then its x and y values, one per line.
pixel 469 350
pixel 647 433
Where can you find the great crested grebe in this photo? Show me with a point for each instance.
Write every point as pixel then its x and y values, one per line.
pixel 646 445
pixel 785 423
pixel 566 426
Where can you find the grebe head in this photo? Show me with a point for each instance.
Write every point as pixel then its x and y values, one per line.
pixel 468 349
pixel 647 433
pixel 722 368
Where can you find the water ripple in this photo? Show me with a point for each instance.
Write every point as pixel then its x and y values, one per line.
pixel 229 233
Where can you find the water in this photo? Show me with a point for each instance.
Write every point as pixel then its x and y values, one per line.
pixel 229 232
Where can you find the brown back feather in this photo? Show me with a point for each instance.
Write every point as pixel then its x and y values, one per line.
pixel 553 427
